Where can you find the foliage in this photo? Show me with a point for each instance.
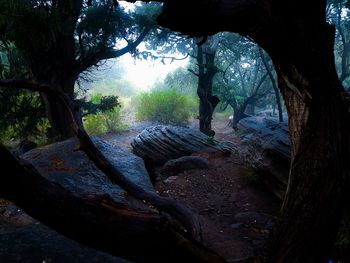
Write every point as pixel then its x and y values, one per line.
pixel 165 106
pixel 95 124
pixel 103 122
pixel 181 80
pixel 98 103
pixel 22 114
pixel 211 140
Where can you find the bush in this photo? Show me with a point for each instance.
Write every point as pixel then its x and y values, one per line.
pixel 165 106
pixel 103 122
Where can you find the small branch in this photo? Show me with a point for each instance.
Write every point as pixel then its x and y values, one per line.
pixel 93 59
pixel 193 72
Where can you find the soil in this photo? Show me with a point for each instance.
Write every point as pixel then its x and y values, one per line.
pixel 236 211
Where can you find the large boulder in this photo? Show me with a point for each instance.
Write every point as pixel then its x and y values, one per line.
pixel 62 163
pixel 158 144
pixel 23 239
pixel 266 147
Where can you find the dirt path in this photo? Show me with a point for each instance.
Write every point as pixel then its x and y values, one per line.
pixel 235 210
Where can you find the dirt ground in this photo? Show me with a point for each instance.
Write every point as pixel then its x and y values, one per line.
pixel 235 210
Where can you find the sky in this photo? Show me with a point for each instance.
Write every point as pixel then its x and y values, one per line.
pixel 144 73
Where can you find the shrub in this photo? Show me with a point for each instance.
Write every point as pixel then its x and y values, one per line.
pixel 165 106
pixel 95 124
pixel 103 122
pixel 114 120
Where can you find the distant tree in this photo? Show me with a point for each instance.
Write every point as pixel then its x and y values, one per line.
pixel 181 80
pixel 244 81
pixel 338 14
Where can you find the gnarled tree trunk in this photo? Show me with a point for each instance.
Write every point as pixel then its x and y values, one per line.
pixel 206 73
pixel 55 110
pixel 300 43
pixel 318 121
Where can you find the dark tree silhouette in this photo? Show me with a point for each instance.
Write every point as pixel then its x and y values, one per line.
pixel 300 43
pixel 61 39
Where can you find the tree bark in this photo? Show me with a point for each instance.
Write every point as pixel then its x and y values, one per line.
pixel 239 113
pixel 56 111
pixel 318 121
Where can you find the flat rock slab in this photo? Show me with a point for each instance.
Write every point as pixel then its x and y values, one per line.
pixel 36 243
pixel 161 143
pixel 63 164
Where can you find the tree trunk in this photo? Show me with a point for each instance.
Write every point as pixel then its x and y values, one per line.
pixel 250 110
pixel 57 116
pixel 206 73
pixel 274 85
pixel 318 121
pixel 239 112
pixel 56 112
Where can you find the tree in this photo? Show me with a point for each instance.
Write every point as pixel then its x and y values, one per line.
pixel 274 84
pixel 207 70
pixel 61 39
pixel 203 55
pixel 338 14
pixel 300 43
pixel 244 80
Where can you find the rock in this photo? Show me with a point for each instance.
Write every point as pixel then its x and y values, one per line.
pixel 179 165
pixel 159 144
pixel 266 147
pixel 170 180
pixel 36 243
pixel 62 164
pixel 251 218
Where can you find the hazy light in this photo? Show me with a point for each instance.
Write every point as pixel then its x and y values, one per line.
pixel 145 73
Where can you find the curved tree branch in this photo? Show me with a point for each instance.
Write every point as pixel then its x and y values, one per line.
pixel 177 210
pixel 108 54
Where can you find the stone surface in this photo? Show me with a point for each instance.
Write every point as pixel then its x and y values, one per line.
pixel 63 164
pixel 23 239
pixel 161 143
pixel 266 147
pixel 179 165
pixel 35 243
